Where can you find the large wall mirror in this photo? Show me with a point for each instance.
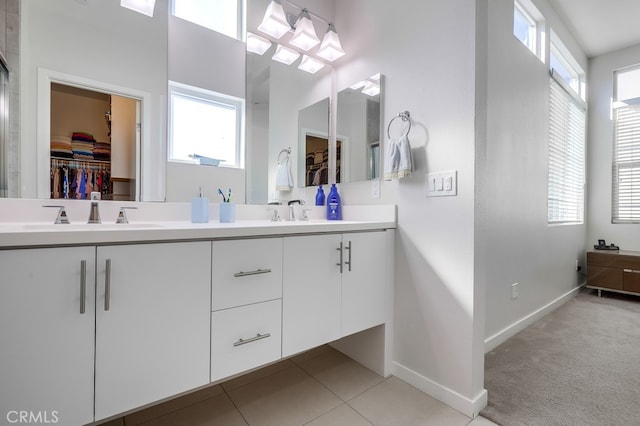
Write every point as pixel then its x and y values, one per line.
pixel 93 52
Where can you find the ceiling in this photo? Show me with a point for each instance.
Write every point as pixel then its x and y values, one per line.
pixel 601 26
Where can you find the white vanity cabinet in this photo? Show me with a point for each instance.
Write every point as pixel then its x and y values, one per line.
pixel 333 285
pixel 135 316
pixel 152 323
pixel 246 300
pixel 47 323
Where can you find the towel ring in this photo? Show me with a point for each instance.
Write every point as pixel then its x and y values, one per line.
pixel 285 151
pixel 404 116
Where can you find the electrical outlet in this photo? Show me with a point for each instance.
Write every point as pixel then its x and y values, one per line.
pixel 578 267
pixel 514 291
pixel 375 188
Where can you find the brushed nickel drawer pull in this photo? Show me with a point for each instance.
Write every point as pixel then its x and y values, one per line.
pixel 83 286
pixel 107 285
pixel 633 271
pixel 256 272
pixel 258 336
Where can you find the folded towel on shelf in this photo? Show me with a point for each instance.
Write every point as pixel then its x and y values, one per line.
pixel 398 162
pixel 284 179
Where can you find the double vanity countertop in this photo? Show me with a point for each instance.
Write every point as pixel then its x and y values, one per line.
pixel 27 223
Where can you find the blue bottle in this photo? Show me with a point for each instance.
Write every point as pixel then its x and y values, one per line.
pixel 334 207
pixel 320 196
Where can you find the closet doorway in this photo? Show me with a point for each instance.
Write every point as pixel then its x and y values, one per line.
pixel 94 143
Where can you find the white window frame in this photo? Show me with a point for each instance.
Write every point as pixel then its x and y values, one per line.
pixel 625 188
pixel 240 19
pixel 567 152
pixel 211 97
pixel 574 75
pixel 536 21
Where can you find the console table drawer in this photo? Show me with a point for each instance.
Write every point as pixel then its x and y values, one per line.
pixel 631 280
pixel 599 276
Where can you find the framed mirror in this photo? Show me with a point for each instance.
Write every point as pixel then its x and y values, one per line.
pixel 358 130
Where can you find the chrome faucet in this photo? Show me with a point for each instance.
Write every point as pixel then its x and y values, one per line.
pixel 275 217
pixel 292 215
pixel 94 213
pixel 62 217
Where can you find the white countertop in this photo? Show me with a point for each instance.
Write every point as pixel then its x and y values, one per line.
pixel 155 222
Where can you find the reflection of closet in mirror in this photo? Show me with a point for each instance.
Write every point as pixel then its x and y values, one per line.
pixel 93 144
pixel 317 160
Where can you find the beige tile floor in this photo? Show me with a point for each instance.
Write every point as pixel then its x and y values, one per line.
pixel 321 387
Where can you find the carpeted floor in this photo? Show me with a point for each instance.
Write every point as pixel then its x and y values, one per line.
pixel 579 365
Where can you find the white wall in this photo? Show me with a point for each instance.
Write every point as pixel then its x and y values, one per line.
pixel 98 41
pixel 600 151
pixel 515 243
pixel 426 52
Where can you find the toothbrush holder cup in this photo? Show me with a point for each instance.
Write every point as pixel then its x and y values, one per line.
pixel 227 213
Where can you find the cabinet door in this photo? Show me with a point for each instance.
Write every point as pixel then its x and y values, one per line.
pixel 46 361
pixel 152 340
pixel 363 281
pixel 311 292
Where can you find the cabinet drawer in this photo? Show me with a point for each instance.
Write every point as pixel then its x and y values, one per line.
pixel 244 338
pixel 631 280
pixel 246 271
pixel 599 276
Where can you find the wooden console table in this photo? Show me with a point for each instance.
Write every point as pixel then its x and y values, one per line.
pixel 617 271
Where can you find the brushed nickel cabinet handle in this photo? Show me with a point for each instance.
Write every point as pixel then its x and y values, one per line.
pixel 107 285
pixel 83 286
pixel 258 336
pixel 348 262
pixel 256 272
pixel 340 263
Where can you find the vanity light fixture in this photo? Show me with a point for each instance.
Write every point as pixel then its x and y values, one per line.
pixel 304 36
pixel 285 55
pixel 257 44
pixel 141 6
pixel 310 65
pixel 274 21
pixel 330 48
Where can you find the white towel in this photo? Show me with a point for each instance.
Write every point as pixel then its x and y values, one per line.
pixel 398 162
pixel 284 179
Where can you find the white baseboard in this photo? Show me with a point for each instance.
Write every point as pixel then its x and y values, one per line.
pixel 500 337
pixel 468 407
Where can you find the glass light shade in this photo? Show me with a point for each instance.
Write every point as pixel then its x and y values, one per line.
pixel 331 49
pixel 371 88
pixel 257 44
pixel 310 65
pixel 285 55
pixel 274 21
pixel 305 35
pixel 141 6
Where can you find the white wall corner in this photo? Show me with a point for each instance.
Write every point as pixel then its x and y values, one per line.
pixel 469 407
pixel 500 337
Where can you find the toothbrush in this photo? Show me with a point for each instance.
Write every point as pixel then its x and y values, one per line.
pixel 224 200
pixel 229 196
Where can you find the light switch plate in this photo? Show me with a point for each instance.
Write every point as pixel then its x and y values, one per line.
pixel 442 184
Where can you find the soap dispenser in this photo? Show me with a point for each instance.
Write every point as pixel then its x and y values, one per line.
pixel 334 206
pixel 199 208
pixel 320 196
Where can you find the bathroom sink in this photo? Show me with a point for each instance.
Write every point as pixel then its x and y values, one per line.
pixel 87 226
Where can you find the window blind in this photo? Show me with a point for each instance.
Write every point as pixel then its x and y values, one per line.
pixel 567 120
pixel 626 165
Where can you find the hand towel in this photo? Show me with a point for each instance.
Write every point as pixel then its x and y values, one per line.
pixel 284 179
pixel 398 161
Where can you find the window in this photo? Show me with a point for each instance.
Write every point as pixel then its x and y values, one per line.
pixel 527 26
pixel 626 151
pixel 567 122
pixel 566 67
pixel 223 16
pixel 205 123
